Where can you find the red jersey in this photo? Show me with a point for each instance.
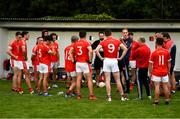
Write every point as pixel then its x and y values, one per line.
pixel 14 46
pixel 110 47
pixel 54 47
pixel 81 50
pixel 23 53
pixel 35 60
pixel 142 55
pixel 134 46
pixel 168 44
pixel 160 58
pixel 43 54
pixel 24 44
pixel 69 65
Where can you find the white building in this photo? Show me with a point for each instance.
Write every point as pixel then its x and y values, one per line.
pixel 65 28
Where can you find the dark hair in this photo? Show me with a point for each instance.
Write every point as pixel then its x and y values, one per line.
pixel 18 33
pixel 130 33
pixel 82 34
pixel 24 33
pixel 101 32
pixel 74 38
pixel 43 31
pixel 47 38
pixel 52 34
pixel 39 37
pixel 166 34
pixel 108 32
pixel 159 41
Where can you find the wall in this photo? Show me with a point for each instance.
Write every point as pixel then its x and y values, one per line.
pixel 64 40
pixel 3 48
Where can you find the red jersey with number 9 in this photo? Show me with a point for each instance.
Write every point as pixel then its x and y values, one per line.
pixel 81 50
pixel 69 65
pixel 110 47
pixel 160 58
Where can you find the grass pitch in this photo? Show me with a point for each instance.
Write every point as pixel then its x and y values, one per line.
pixel 13 105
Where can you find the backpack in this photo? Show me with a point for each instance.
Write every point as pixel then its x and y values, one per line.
pixel 6 64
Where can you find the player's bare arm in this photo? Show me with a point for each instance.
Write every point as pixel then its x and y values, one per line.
pixel 90 53
pixel 150 68
pixel 10 53
pixel 97 52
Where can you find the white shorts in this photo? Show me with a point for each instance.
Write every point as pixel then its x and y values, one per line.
pixel 83 67
pixel 160 79
pixel 71 74
pixel 20 64
pixel 44 68
pixel 132 63
pixel 110 65
pixel 54 65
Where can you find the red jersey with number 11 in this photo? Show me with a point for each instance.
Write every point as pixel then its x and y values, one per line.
pixel 160 58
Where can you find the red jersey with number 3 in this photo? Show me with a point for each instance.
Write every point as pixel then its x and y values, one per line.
pixel 81 50
pixel 110 47
pixel 69 65
pixel 160 58
pixel 43 53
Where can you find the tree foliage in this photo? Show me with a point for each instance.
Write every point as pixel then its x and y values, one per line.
pixel 120 9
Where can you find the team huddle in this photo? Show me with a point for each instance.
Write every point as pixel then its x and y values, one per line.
pixel 113 57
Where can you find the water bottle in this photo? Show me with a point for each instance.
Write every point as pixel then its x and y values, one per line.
pixel 60 93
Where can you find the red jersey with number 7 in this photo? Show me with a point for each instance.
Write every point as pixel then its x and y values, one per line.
pixel 69 65
pixel 110 47
pixel 160 58
pixel 81 50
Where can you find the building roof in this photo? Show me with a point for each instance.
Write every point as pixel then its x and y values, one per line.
pixel 70 24
pixel 83 20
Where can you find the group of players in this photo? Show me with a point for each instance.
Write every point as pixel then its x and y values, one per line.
pixel 114 56
pixel 45 57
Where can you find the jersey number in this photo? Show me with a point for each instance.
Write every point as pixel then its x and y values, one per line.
pixel 79 50
pixel 161 59
pixel 67 56
pixel 39 52
pixel 111 48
